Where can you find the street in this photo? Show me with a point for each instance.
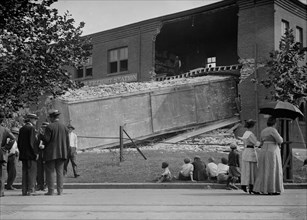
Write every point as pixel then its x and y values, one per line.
pixel 154 204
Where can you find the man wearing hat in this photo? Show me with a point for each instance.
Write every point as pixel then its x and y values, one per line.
pixel 5 134
pixel 28 154
pixel 40 177
pixel 72 152
pixel 11 163
pixel 56 141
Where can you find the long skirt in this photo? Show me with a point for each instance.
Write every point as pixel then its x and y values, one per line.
pixel 248 173
pixel 270 175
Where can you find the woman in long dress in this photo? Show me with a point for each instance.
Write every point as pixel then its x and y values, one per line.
pixel 270 175
pixel 249 157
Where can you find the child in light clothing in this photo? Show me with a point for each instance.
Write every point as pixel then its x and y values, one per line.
pixel 222 171
pixel 166 176
pixel 212 169
pixel 186 172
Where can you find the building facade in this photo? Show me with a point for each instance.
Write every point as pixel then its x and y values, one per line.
pixel 229 32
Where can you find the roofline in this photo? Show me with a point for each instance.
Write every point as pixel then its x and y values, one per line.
pixel 217 5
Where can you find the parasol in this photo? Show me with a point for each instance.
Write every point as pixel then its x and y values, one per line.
pixel 281 109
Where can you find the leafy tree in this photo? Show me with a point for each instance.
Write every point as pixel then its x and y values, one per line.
pixel 36 44
pixel 287 75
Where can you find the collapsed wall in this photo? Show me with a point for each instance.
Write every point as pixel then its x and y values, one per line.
pixel 146 109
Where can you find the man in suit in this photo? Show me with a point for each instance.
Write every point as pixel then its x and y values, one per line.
pixel 28 154
pixel 40 178
pixel 56 141
pixel 5 134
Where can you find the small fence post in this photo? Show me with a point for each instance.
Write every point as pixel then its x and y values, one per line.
pixel 121 143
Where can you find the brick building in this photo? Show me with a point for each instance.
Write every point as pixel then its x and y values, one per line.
pixel 220 34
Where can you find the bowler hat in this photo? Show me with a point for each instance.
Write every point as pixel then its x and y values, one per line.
pixel 54 112
pixel 15 130
pixel 70 126
pixel 45 124
pixel 31 115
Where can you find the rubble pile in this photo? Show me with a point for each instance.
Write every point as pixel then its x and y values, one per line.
pixel 92 92
pixel 215 141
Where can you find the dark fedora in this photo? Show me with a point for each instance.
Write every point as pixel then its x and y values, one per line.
pixel 31 116
pixel 54 112
pixel 70 126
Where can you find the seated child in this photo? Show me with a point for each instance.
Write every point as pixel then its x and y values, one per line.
pixel 222 171
pixel 166 176
pixel 234 167
pixel 200 172
pixel 186 172
pixel 211 169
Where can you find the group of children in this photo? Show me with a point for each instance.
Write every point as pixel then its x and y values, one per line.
pixel 227 171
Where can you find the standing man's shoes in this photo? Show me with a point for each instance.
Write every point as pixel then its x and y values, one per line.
pixel 77 175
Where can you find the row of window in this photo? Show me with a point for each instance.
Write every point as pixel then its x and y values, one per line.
pixel 118 58
pixel 298 31
pixel 117 63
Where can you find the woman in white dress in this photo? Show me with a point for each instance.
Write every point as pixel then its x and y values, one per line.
pixel 270 174
pixel 249 157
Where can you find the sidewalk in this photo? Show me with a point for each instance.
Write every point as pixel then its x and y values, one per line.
pixel 154 204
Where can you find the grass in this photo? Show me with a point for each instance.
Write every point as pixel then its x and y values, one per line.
pixel 106 168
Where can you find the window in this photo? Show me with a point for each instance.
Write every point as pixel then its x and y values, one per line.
pixel 299 35
pixel 86 70
pixel 211 61
pixel 118 60
pixel 284 26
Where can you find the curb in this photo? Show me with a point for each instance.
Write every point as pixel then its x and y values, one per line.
pixel 159 186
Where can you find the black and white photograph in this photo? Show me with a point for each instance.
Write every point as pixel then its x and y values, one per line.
pixel 153 109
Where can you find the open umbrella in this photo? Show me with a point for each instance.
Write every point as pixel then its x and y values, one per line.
pixel 281 109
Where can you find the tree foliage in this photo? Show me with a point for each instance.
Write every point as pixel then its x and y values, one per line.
pixel 287 74
pixel 36 43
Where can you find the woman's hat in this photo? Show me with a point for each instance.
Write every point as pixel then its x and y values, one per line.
pixel 15 130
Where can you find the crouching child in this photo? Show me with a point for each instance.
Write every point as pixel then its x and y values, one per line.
pixel 166 176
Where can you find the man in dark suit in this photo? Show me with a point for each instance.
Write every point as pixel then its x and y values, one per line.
pixel 4 135
pixel 28 154
pixel 56 141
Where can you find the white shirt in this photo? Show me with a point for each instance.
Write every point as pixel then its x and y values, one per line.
pixel 222 169
pixel 14 148
pixel 73 140
pixel 187 169
pixel 212 169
